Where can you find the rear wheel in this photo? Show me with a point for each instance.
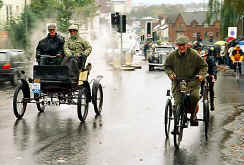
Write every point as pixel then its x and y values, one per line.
pixel 83 104
pixel 168 114
pixel 178 127
pixel 97 95
pixel 206 117
pixel 19 102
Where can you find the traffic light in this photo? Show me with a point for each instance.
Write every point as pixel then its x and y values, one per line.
pixel 149 28
pixel 123 26
pixel 115 20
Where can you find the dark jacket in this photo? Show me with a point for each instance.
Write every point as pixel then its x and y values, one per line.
pixel 50 46
pixel 186 66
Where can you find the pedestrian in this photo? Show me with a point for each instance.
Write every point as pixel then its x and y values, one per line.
pixel 53 45
pixel 185 62
pixel 237 56
pixel 212 76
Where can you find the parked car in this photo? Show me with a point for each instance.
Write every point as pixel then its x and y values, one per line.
pixel 12 64
pixel 158 56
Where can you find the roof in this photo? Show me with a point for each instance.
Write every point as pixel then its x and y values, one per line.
pixel 171 19
pixel 199 16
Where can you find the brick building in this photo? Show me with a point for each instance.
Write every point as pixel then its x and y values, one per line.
pixel 192 24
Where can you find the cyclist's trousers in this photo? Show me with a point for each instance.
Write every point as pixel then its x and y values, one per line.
pixel 194 98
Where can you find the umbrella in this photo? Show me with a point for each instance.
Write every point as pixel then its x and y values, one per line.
pixel 230 39
pixel 220 43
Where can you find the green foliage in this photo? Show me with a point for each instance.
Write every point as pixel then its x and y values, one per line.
pixel 66 9
pixel 1 4
pixel 21 28
pixel 229 12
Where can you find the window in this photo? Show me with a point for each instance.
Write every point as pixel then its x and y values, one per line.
pixel 217 35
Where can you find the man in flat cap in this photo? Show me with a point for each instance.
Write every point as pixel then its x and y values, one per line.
pixel 185 62
pixel 53 45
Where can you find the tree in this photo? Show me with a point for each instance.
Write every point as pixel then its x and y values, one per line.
pixel 1 4
pixel 229 12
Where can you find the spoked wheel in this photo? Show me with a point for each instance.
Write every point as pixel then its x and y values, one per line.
pixel 178 127
pixel 19 102
pixel 40 102
pixel 82 105
pixel 97 95
pixel 237 74
pixel 206 117
pixel 168 116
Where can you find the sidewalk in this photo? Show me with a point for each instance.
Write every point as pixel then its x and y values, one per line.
pixel 230 115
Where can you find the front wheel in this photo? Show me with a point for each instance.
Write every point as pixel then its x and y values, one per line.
pixel 19 102
pixel 178 127
pixel 206 117
pixel 237 74
pixel 168 114
pixel 97 94
pixel 83 104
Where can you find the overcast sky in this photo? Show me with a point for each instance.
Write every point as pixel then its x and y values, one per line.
pixel 157 2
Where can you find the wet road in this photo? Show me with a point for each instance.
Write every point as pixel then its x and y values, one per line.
pixel 130 130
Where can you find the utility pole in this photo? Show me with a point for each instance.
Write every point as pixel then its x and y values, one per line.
pixel 121 41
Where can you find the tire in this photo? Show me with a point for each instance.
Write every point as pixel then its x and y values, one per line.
pixel 41 105
pixel 168 114
pixel 14 80
pixel 206 117
pixel 19 104
pixel 83 104
pixel 178 127
pixel 237 74
pixel 97 96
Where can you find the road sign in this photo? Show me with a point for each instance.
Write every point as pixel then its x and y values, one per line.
pixel 232 32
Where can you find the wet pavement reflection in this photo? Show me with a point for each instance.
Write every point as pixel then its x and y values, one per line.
pixel 130 130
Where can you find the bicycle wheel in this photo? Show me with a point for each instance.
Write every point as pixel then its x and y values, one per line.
pixel 83 104
pixel 206 117
pixel 237 74
pixel 168 116
pixel 178 126
pixel 19 102
pixel 97 94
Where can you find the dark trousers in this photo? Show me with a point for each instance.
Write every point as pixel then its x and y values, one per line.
pixel 239 64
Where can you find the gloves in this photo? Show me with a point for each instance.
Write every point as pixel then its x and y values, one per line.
pixel 172 76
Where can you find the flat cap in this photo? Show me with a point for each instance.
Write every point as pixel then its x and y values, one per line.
pixel 182 40
pixel 51 26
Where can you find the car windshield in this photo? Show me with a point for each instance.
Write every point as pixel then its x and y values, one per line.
pixel 3 56
pixel 164 49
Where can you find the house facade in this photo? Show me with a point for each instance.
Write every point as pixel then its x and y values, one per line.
pixel 192 24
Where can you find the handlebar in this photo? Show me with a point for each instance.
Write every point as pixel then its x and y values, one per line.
pixel 237 62
pixel 186 79
pixel 49 56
